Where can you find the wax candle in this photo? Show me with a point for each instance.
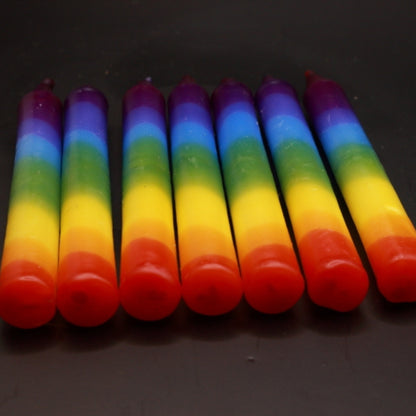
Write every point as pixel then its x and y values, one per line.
pixel 149 279
pixel 30 252
pixel 385 229
pixel 211 283
pixel 272 280
pixel 87 293
pixel 334 274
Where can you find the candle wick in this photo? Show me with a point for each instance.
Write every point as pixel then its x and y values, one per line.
pixel 311 77
pixel 187 79
pixel 228 80
pixel 46 84
pixel 268 78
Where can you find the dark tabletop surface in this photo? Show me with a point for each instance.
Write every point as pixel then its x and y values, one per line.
pixel 308 361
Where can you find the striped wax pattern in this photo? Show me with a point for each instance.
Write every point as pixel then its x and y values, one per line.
pixel 334 274
pixel 149 280
pixel 211 283
pixel 271 277
pixel 30 254
pixel 386 231
pixel 87 292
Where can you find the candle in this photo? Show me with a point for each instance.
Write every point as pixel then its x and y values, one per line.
pixel 87 293
pixel 334 274
pixel 386 231
pixel 149 279
pixel 30 252
pixel 272 280
pixel 211 283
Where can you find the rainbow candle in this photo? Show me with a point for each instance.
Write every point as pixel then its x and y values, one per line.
pixel 149 279
pixel 386 231
pixel 333 270
pixel 211 283
pixel 87 293
pixel 30 253
pixel 272 280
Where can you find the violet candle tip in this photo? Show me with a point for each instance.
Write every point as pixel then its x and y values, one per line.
pixel 268 78
pixel 311 77
pixel 148 79
pixel 46 84
pixel 228 80
pixel 187 79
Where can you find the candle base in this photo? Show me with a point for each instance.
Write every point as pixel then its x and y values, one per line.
pixel 27 302
pixel 334 274
pixel 272 280
pixel 150 293
pixel 393 260
pixel 86 299
pixel 211 285
pixel 149 283
pixel 339 287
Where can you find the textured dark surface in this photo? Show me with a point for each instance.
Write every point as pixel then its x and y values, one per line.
pixel 307 361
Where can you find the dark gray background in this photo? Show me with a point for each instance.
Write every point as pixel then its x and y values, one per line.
pixel 308 361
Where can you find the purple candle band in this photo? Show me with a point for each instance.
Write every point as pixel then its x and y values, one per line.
pixel 235 96
pixel 87 94
pixel 188 91
pixel 188 97
pixel 86 109
pixel 51 132
pixel 41 112
pixel 143 94
pixel 144 115
pixel 334 109
pixel 278 97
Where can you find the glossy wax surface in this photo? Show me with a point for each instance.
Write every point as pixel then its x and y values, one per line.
pixel 211 283
pixel 386 231
pixel 149 280
pixel 334 274
pixel 271 276
pixel 30 254
pixel 87 293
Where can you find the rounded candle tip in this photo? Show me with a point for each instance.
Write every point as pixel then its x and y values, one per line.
pixel 273 289
pixel 393 261
pixel 340 287
pixel 27 302
pixel 272 280
pixel 335 276
pixel 87 300
pixel 211 287
pixel 151 294
pixel 148 79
